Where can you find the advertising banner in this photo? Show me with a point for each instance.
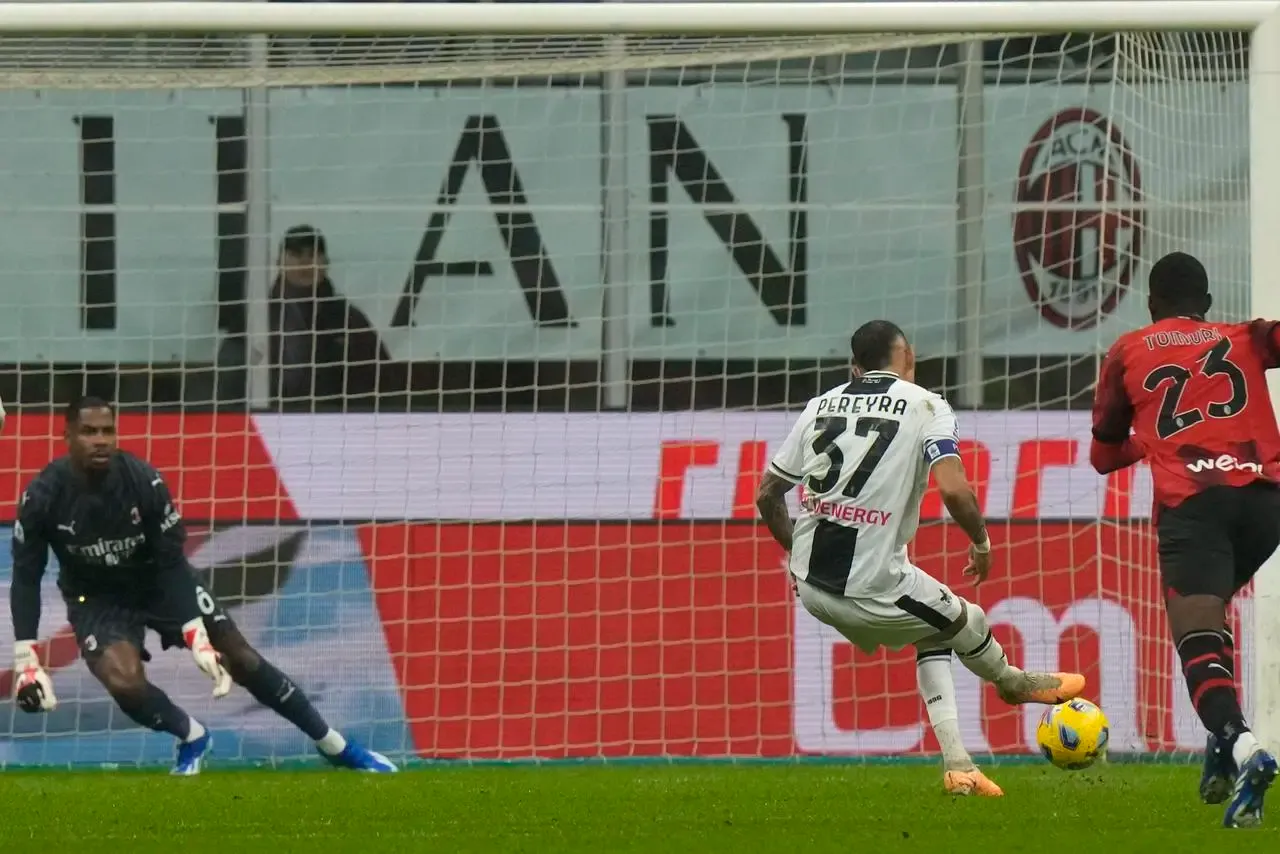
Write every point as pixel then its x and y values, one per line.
pixel 683 639
pixel 583 466
pixel 763 220
pixel 554 586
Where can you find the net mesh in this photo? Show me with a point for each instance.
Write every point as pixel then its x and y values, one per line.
pixel 500 504
pixel 151 61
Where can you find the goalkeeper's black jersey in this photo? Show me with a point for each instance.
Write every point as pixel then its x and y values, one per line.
pixel 115 535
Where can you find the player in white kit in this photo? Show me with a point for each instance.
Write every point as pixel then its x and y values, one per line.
pixel 862 454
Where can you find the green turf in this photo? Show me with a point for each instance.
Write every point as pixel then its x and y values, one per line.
pixel 780 809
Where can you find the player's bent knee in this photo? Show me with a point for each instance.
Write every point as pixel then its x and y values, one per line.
pixel 944 638
pixel 240 659
pixel 119 667
pixel 969 632
pixel 1195 613
pixel 121 680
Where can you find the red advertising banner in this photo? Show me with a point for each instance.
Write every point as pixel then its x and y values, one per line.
pixel 676 638
pixel 217 466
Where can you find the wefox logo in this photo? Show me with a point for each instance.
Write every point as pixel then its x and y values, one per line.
pixel 1225 462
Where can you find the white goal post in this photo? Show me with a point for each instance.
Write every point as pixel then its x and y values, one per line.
pixel 60 45
pixel 641 18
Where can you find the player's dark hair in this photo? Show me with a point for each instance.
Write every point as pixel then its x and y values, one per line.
pixel 80 404
pixel 872 344
pixel 1178 285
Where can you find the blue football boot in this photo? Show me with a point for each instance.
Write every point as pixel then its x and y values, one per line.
pixel 1218 776
pixel 359 758
pixel 1256 776
pixel 191 755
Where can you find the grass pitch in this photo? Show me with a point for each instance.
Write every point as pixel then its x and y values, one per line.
pixel 780 809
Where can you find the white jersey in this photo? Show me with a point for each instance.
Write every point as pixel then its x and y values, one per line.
pixel 861 453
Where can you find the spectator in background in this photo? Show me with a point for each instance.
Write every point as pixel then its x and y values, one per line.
pixel 323 349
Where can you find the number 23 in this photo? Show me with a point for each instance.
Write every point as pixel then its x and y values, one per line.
pixel 1213 363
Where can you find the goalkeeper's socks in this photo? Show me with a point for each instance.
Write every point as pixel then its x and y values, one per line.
pixel 153 709
pixel 277 692
pixel 332 744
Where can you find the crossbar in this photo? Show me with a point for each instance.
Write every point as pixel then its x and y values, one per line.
pixel 710 18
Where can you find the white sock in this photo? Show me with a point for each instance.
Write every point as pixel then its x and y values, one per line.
pixel 197 731
pixel 938 690
pixel 332 744
pixel 1246 745
pixel 980 652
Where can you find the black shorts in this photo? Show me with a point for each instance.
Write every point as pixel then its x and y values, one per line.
pixel 100 622
pixel 1214 542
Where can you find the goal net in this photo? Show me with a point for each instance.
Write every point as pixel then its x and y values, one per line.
pixel 463 354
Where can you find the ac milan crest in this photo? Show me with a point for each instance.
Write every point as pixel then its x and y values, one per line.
pixel 1077 225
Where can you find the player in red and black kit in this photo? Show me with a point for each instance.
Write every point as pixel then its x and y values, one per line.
pixel 1194 394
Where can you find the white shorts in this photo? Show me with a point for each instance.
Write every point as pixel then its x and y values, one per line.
pixel 921 607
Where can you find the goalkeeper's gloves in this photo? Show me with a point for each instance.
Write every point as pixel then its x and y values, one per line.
pixel 207 658
pixel 32 686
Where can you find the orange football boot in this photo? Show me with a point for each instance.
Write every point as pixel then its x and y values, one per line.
pixel 970 783
pixel 1047 688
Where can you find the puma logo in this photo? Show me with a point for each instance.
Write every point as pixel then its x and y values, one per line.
pixel 70 528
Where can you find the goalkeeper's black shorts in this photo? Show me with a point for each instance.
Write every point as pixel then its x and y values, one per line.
pixel 99 622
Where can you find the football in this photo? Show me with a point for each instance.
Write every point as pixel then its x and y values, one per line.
pixel 1073 735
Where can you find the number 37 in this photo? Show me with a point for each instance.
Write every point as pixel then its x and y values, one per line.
pixel 832 428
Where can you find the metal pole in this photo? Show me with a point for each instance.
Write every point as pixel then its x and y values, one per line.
pixel 970 215
pixel 1264 301
pixel 258 225
pixel 615 362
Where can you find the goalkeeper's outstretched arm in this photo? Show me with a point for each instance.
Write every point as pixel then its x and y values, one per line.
pixel 30 557
pixel 31 685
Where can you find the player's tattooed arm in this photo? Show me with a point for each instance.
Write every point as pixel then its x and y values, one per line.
pixel 30 558
pixel 771 501
pixel 958 495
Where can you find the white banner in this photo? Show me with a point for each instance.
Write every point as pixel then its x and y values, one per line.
pixel 763 221
pixel 696 465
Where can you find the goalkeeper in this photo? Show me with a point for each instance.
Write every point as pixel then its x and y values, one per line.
pixel 118 538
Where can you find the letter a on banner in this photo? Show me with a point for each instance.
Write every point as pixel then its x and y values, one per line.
pixel 483 143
